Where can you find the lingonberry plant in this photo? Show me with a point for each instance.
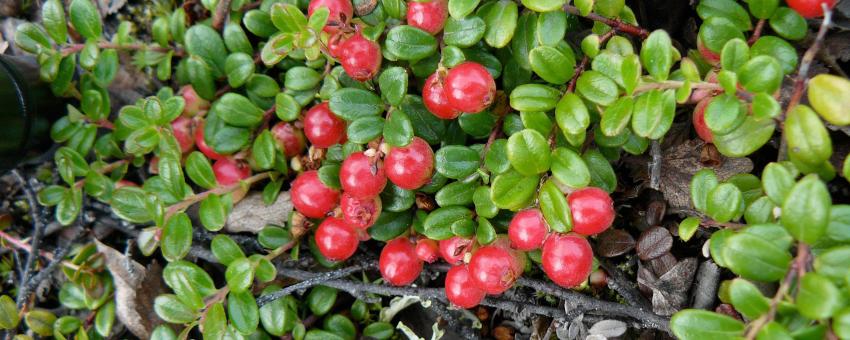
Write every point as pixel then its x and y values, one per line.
pixel 489 134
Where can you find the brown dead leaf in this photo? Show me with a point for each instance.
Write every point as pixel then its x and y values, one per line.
pixel 653 243
pixel 136 287
pixel 680 164
pixel 251 214
pixel 614 242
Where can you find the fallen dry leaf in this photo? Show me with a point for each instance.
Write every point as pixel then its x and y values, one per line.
pixel 251 214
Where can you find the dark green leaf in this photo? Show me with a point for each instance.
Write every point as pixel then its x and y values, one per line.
pixel 86 19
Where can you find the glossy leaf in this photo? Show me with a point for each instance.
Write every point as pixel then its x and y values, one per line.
pixel 528 152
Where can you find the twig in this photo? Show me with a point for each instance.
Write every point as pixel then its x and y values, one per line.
pixel 316 280
pixel 614 23
pixel 220 14
pixel 586 60
pixel 798 267
pixel 186 203
pixel 58 258
pixel 655 165
pixel 619 283
pixel 38 228
pixel 757 32
pixel 74 48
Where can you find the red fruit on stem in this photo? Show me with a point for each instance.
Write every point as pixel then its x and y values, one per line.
pixel 528 230
pixel 311 197
pixel 707 54
pixel 470 87
pixel 360 57
pixel 429 16
pixel 362 176
pixel 335 45
pixel 592 210
pixel 230 171
pixel 182 128
pixel 461 290
pixel 289 139
pixel 434 97
pixel 567 259
pixel 336 240
pixel 360 213
pixel 322 127
pixel 194 103
pixel 427 250
pixel 699 121
pixel 810 9
pixel 398 262
pixel 494 269
pixel 202 144
pixel 340 13
pixel 452 250
pixel 410 167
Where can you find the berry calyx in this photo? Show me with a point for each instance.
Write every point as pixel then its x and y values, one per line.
pixel 311 197
pixel 410 167
pixel 429 16
pixel 398 262
pixel 470 87
pixel 289 139
pixel 322 127
pixel 362 176
pixel 453 249
pixel 461 290
pixel 340 13
pixel 360 57
pixel 810 9
pixel 494 269
pixel 528 230
pixel 182 128
pixel 360 213
pixel 434 97
pixel 202 143
pixel 427 250
pixel 229 171
pixel 699 121
pixel 567 259
pixel 336 240
pixel 194 102
pixel 592 210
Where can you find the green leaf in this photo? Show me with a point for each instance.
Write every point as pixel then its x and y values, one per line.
pixel 53 18
pixel 724 114
pixel 764 107
pixel 286 107
pixel 553 205
pixel 263 150
pixel 340 325
pixel 259 23
pixel 653 113
pixel 464 32
pixel 214 324
pixel 206 43
pixel 728 9
pixel 186 290
pixel 762 9
pixel 747 299
pixel 243 312
pixel 746 139
pixel 365 129
pixel 239 67
pixel 702 184
pixel 777 182
pixel 278 316
pixel 236 110
pixel 200 171
pixel 735 54
pixel 393 84
pixel 287 18
pixel 329 175
pixel 688 227
pixel 212 213
pixel 169 308
pixel 525 39
pixel 778 48
pixel 86 19
pixel 528 152
pixel 438 224
pixel 511 190
pixel 484 205
pixel 318 19
pixel 277 48
pixel 501 19
pixel 410 43
pixel 534 97
pixel 805 212
pixel 129 204
pixel 51 195
pixel 456 161
pixel 351 103
pixel 754 258
pixel 240 275
pixel 301 78
pixel 616 117
pixel 695 324
pixel 272 237
pixel 200 75
pixel 601 173
pixel 379 330
pixel 39 321
pixel 9 317
pixel 569 168
pixel 833 263
pixel 31 38
pixel 390 225
pixel 398 129
pixel 543 5
pixel 321 299
pixel 571 114
pixel 598 88
pixel 461 8
pixel 425 124
pixel 807 137
pixel 176 237
pixel 69 207
pixel 717 30
pixel 830 96
pixel 236 40
pixel 761 74
pixel 201 281
pixel 496 159
pixel 818 298
pixel 725 203
pixel 657 55
pixel 225 250
pixel 789 24
pixel 456 193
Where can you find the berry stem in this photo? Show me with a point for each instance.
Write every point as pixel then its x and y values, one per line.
pixel 189 201
pixel 74 48
pixel 616 24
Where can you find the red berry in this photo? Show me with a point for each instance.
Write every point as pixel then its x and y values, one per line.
pixel 461 290
pixel 427 250
pixel 289 139
pixel 707 54
pixel 429 16
pixel 335 45
pixel 336 240
pixel 494 269
pixel 699 121
pixel 810 8
pixel 452 250
pixel 311 197
pixel 182 128
pixel 470 87
pixel 360 213
pixel 434 97
pixel 398 262
pixel 360 57
pixel 194 103
pixel 567 259
pixel 528 230
pixel 322 127
pixel 202 144
pixel 362 176
pixel 410 167
pixel 592 210
pixel 340 13
pixel 229 171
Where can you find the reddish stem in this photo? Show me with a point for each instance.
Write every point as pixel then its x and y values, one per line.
pixel 614 23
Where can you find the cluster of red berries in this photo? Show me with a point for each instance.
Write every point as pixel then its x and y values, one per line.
pixel 467 87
